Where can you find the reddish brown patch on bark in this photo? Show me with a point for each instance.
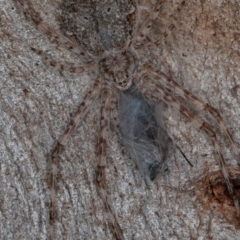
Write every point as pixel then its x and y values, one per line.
pixel 213 193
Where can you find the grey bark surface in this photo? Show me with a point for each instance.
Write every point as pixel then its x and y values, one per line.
pixel 37 102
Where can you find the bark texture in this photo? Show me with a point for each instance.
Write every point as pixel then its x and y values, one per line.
pixel 202 53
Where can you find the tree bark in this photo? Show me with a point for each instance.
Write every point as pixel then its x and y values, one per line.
pixel 37 103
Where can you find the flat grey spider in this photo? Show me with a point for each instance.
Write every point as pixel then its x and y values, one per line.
pixel 114 48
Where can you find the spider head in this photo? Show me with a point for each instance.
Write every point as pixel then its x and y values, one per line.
pixel 118 69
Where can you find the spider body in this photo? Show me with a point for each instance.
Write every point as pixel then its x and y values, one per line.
pixel 119 69
pixel 98 25
pixel 87 22
pixel 110 35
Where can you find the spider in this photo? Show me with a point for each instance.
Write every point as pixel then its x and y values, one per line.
pixel 114 52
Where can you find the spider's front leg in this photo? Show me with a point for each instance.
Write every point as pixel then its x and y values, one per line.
pixel 81 113
pixel 107 97
pixel 173 86
pixel 155 91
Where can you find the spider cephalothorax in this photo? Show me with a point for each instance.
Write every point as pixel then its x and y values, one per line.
pixel 119 68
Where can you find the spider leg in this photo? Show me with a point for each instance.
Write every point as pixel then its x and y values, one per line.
pixel 102 154
pixel 73 69
pixel 114 112
pixel 173 86
pixel 144 29
pixel 73 46
pixel 157 92
pixel 154 44
pixel 82 111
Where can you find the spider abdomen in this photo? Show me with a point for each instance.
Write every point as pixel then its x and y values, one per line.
pixel 88 23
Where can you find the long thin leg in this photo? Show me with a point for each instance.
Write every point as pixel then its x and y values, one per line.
pixel 154 44
pixel 73 46
pixel 73 69
pixel 144 29
pixel 81 113
pixel 173 86
pixel 157 92
pixel 114 112
pixel 102 154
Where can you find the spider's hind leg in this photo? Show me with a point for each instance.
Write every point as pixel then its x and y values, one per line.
pixel 56 34
pixel 143 32
pixel 69 67
pixel 144 29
